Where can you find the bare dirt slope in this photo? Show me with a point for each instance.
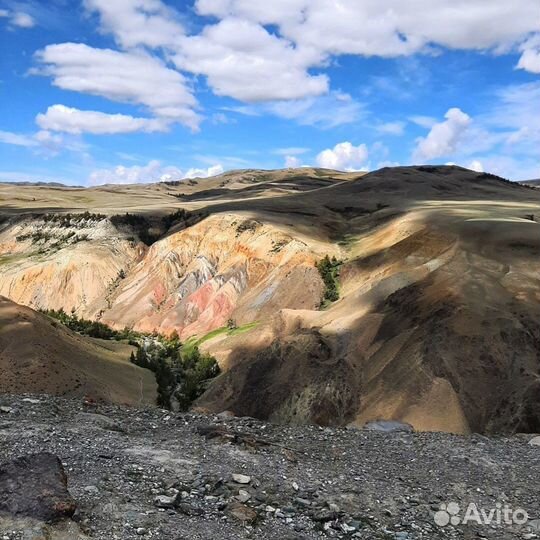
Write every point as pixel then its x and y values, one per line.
pixel 37 354
pixel 439 287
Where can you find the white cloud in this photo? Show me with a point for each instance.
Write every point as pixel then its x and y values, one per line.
pixel 19 19
pixel 514 168
pixel 388 28
pixel 290 151
pixel 124 77
pixel 270 55
pixel 22 20
pixel 504 139
pixel 517 110
pixel 344 156
pixel 530 57
pixel 308 33
pixel 423 121
pixel 221 118
pixel 154 171
pixel 387 163
pixel 53 143
pixel 530 60
pixel 476 165
pixel 138 22
pixel 43 142
pixel 444 137
pixel 244 61
pixel 204 173
pixel 334 109
pixel 7 137
pixel 292 162
pixel 391 128
pixel 267 52
pixel 70 120
pixel 240 58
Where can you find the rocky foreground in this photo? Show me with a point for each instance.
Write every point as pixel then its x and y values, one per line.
pixel 148 473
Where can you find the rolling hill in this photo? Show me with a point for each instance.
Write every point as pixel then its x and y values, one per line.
pixel 39 355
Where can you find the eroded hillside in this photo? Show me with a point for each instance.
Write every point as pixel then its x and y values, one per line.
pixel 39 355
pixel 439 288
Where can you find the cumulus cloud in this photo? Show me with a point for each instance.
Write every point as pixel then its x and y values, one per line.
pixel 476 165
pixel 70 120
pixel 270 55
pixel 530 57
pixel 242 60
pixel 154 171
pixel 138 22
pixel 444 137
pixel 204 173
pixel 389 28
pixel 322 29
pixel 505 138
pixel 120 76
pixel 292 162
pixel 344 156
pixel 270 52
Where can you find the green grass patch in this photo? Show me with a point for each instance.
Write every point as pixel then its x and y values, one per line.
pixel 13 257
pixel 194 341
pixel 347 240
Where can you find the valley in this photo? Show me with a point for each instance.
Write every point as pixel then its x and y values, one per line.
pixel 432 318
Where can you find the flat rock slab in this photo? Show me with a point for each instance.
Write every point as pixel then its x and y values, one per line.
pixel 35 486
pixel 389 426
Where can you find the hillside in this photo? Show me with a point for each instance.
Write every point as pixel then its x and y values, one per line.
pixel 39 355
pixel 438 286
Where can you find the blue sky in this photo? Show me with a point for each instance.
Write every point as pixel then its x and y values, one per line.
pixel 99 91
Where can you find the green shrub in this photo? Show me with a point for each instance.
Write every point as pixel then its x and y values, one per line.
pixel 170 219
pixel 140 224
pixel 329 271
pixel 85 327
pixel 194 371
pixel 180 376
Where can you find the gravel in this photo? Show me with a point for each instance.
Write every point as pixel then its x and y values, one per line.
pixel 150 473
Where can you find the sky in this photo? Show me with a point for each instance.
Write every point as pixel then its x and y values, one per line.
pixel 125 91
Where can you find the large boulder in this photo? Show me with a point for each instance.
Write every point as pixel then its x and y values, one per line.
pixel 35 486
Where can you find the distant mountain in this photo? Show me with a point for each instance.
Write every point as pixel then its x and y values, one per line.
pixel 37 184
